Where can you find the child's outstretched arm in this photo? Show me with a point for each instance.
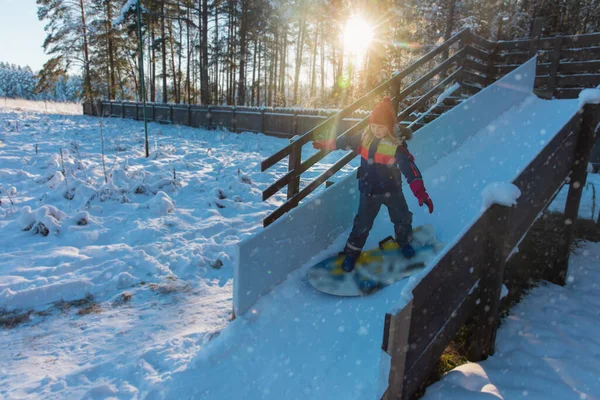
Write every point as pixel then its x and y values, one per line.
pixel 406 163
pixel 347 142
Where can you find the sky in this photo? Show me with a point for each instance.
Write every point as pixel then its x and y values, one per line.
pixel 22 34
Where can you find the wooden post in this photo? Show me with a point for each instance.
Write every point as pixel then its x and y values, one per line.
pixel 462 44
pixel 209 118
pixel 189 115
pixel 585 140
pixel 395 343
pixel 490 76
pixel 536 33
pixel 233 121
pixel 153 112
pixel 554 66
pixel 294 162
pixel 171 113
pixel 487 312
pixel 294 131
pixel 122 109
pixel 262 120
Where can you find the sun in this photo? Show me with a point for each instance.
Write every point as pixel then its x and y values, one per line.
pixel 358 35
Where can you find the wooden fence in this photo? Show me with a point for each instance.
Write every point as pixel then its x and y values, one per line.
pixel 466 282
pixel 284 123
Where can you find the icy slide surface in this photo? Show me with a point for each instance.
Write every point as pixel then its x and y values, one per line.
pixel 297 343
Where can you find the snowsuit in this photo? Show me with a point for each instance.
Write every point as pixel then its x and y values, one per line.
pixel 380 183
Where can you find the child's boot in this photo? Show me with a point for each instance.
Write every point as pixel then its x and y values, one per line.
pixel 407 251
pixel 349 263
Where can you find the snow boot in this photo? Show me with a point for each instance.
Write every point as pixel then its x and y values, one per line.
pixel 349 263
pixel 407 251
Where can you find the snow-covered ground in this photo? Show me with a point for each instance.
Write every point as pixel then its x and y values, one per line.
pixel 547 348
pixel 150 252
pixel 46 107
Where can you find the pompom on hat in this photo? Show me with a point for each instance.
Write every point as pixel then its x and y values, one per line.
pixel 383 114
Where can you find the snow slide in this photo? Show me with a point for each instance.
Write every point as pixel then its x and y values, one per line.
pixel 292 342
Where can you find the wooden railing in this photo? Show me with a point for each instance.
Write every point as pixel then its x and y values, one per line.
pixel 449 70
pixel 566 64
pixel 466 282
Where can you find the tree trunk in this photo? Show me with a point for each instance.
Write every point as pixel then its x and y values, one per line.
pixel 87 83
pixel 299 52
pixel 179 56
pixel 283 67
pixel 111 56
pixel 258 82
pixel 254 71
pixel 153 70
pixel 313 80
pixel 243 34
pixel 173 70
pixel 449 24
pixel 164 56
pixel 189 57
pixel 322 62
pixel 204 70
pixel 217 53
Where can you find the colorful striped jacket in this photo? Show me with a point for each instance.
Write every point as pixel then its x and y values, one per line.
pixel 382 163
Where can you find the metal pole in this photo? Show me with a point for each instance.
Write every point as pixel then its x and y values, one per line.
pixel 142 80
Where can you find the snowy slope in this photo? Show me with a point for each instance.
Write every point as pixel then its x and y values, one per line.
pixel 299 344
pixel 547 348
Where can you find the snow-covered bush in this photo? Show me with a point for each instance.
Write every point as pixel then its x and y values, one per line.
pixel 159 205
pixel 44 220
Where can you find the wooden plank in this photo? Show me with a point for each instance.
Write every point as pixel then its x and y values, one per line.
pixel 481 42
pixel 442 290
pixel 554 65
pixel 567 93
pixel 541 178
pixel 513 45
pixel 578 41
pixel 395 343
pixel 294 162
pixel 423 367
pixel 474 78
pixel 578 80
pixel 478 54
pixel 536 33
pixel 486 313
pixel 581 66
pixel 588 53
pixel 513 58
pixel 475 65
pixel 541 82
pixel 470 89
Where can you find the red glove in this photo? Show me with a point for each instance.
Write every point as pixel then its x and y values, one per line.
pixel 420 193
pixel 327 145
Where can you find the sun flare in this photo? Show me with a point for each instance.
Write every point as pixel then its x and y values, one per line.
pixel 357 36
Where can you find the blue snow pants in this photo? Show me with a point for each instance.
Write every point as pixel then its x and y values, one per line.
pixel 368 208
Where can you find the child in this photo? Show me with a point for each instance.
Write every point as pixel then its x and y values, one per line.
pixel 383 158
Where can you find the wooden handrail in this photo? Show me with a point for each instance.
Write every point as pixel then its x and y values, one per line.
pixel 287 178
pixel 278 156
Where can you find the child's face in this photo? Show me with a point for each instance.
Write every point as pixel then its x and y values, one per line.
pixel 379 131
